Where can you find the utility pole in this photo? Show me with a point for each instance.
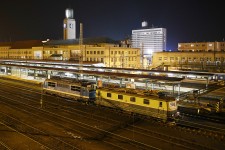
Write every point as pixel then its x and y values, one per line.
pixel 81 49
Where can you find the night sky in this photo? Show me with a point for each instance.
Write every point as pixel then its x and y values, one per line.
pixel 185 20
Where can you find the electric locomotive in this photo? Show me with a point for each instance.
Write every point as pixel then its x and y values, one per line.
pixel 137 101
pixel 80 90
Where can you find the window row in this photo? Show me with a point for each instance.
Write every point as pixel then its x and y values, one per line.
pixel 192 58
pixel 123 59
pixel 133 99
pixel 95 59
pixel 17 52
pixel 95 52
pixel 122 52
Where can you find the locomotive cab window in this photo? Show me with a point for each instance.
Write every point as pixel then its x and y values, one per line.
pixel 109 94
pixel 132 99
pixel 160 104
pixel 99 93
pixel 120 97
pixel 146 101
pixel 52 84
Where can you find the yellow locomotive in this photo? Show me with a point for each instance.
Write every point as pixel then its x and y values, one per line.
pixel 138 101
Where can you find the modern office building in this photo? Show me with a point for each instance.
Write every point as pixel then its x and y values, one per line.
pixel 149 40
pixel 201 46
pixel 69 25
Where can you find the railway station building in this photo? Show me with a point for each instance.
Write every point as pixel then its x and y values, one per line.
pixel 92 51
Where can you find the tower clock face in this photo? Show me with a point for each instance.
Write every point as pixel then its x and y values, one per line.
pixel 71 25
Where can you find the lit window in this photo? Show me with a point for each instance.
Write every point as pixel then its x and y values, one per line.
pixel 192 45
pixel 210 44
pixel 179 45
pixel 64 25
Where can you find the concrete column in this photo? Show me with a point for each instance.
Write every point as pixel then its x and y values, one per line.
pixel 96 79
pixel 207 82
pixel 146 85
pixel 173 88
pixel 34 73
pixel 121 81
pixel 178 89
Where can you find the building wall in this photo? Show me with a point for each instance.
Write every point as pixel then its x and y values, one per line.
pixel 202 46
pixel 175 58
pixel 69 29
pixel 150 40
pixel 107 54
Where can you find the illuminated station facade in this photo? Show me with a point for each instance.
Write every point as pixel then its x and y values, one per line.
pixel 108 54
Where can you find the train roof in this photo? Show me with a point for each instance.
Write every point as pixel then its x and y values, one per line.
pixel 70 81
pixel 140 93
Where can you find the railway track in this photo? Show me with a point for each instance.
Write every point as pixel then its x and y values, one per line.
pixel 208 117
pixel 88 132
pixel 16 134
pixel 127 127
pixel 202 128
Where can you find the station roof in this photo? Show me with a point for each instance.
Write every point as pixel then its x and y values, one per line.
pixel 22 44
pixel 76 63
pixel 90 41
pixel 36 43
pixel 100 73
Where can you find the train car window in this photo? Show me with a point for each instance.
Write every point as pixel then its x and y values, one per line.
pixel 52 84
pixel 146 101
pixel 75 88
pixel 109 94
pixel 160 104
pixel 120 97
pixel 132 99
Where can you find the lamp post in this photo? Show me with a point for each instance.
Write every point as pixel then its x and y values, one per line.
pixel 41 100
